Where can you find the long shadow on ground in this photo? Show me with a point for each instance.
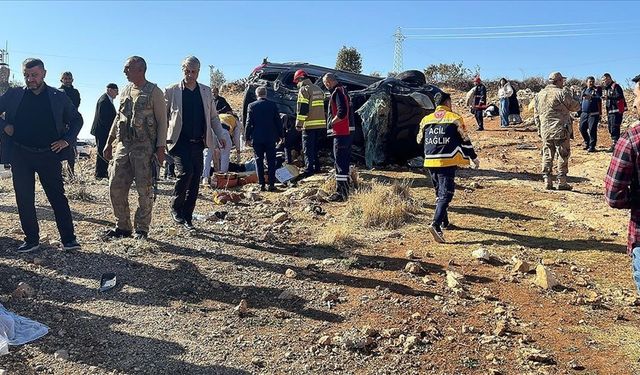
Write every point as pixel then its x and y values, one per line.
pixel 93 339
pixel 545 243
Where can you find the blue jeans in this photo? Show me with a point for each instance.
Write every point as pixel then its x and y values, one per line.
pixel 635 266
pixel 504 112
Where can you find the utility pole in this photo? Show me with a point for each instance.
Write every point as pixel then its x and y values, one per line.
pixel 397 53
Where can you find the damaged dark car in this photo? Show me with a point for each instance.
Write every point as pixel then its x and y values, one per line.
pixel 387 111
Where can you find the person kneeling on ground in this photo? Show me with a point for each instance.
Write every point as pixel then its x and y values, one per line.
pixel 446 146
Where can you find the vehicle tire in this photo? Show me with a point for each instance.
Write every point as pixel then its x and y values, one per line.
pixel 412 77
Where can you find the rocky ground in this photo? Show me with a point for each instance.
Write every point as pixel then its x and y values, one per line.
pixel 530 281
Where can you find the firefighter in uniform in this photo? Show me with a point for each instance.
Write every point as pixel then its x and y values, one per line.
pixel 137 137
pixel 310 119
pixel 446 146
pixel 339 125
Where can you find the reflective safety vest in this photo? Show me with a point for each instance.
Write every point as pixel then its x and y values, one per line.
pixel 310 106
pixel 446 143
pixel 345 125
pixel 228 121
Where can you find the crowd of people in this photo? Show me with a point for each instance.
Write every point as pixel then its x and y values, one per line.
pixel 193 126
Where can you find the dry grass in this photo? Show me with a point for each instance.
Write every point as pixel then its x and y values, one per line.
pixel 78 185
pixel 339 236
pixel 383 205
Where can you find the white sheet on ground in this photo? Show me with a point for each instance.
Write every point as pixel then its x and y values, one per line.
pixel 18 330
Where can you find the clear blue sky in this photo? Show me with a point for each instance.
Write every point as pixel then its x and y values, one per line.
pixel 92 39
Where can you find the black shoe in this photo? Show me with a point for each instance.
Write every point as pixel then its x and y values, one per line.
pixel 177 218
pixel 71 245
pixel 28 247
pixel 189 225
pixel 437 234
pixel 336 197
pixel 611 149
pixel 140 235
pixel 479 129
pixel 116 233
pixel 591 149
pixel 445 225
pixel 272 188
pixel 263 188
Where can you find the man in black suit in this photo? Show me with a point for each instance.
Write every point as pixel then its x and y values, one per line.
pixel 264 130
pixel 105 113
pixel 43 124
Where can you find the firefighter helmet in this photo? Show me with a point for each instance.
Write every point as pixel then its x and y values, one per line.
pixel 299 75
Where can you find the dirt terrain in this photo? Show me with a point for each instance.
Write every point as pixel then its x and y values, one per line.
pixel 325 294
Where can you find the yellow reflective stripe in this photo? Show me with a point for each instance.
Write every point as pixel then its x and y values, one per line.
pixel 316 103
pixel 314 122
pixel 301 117
pixel 302 99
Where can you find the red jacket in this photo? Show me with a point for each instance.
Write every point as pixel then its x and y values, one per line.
pixel 340 109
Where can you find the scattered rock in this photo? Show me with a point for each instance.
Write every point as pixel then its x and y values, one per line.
pixel 413 268
pixel 544 278
pixel 501 328
pixel 242 308
pixel 541 358
pixel 410 343
pixel 324 341
pixel 416 316
pixel 410 254
pixel 427 280
pixel 280 217
pixel 61 355
pixel 575 365
pixel 256 361
pixel 371 332
pixel 493 371
pixel 481 254
pixel 291 274
pixel 23 290
pixel 286 295
pixel 548 261
pixel 391 332
pixel 522 266
pixel 580 281
pixel 355 340
pixel 454 280
pixel 329 297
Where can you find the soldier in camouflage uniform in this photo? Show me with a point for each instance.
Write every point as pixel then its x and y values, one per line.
pixel 137 137
pixel 552 114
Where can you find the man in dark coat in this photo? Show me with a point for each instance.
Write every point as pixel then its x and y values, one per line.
pixel 264 130
pixel 67 86
pixel 222 106
pixel 102 121
pixel 43 123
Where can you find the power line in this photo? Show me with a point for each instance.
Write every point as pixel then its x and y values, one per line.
pixel 541 32
pixel 452 37
pixel 514 26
